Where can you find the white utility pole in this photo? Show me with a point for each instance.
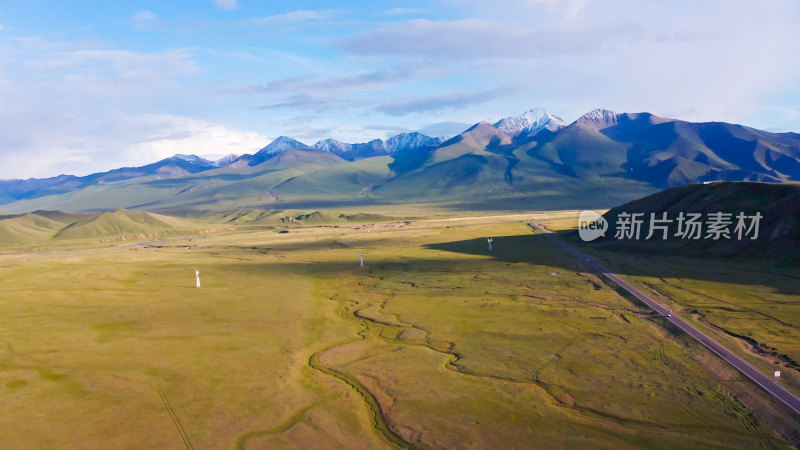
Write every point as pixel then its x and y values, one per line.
pixel 197 274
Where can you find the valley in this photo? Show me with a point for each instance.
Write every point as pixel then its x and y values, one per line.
pixel 437 342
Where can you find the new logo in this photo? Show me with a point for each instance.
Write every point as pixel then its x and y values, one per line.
pixel 591 225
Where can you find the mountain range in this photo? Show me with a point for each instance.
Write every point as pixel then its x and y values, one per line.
pixel 533 160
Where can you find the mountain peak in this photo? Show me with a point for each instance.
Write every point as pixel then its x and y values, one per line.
pixel 531 122
pixel 377 147
pixel 482 125
pixel 410 141
pixel 332 145
pixel 599 119
pixel 281 144
pixel 193 159
pixel 227 159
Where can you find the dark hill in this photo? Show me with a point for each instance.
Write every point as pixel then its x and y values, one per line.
pixel 779 228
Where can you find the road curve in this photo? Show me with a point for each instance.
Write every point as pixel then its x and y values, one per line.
pixel 765 382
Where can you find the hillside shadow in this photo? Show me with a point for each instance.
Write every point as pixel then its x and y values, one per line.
pixel 291 244
pixel 538 249
pixel 529 250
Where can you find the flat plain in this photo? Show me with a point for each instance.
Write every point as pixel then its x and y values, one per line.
pixel 436 343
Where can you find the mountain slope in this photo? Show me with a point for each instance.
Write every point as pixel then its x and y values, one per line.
pixel 477 139
pixel 667 152
pixel 277 146
pixel 353 180
pixel 221 188
pixel 472 166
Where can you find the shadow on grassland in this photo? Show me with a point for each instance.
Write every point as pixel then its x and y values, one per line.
pixel 538 202
pixel 539 249
pixel 535 249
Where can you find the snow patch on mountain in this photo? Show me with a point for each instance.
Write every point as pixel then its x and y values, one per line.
pixel 280 145
pixel 530 123
pixel 410 141
pixel 333 146
pixel 225 160
pixel 377 147
pixel 192 159
pixel 599 119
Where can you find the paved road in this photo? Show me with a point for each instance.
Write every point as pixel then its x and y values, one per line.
pixel 764 381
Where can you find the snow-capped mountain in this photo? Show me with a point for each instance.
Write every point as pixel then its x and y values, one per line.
pixel 599 119
pixel 225 160
pixel 279 145
pixel 413 166
pixel 333 146
pixel 191 159
pixel 410 141
pixel 377 147
pixel 351 152
pixel 530 123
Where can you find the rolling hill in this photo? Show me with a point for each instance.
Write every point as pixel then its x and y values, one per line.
pixel 40 227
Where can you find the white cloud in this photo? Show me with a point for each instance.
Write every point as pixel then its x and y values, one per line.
pixel 145 20
pixel 291 17
pixel 468 39
pixel 227 4
pixel 450 100
pixel 123 63
pixel 724 61
pixel 568 9
pixel 404 11
pixel 85 107
pixel 154 137
pixel 337 86
pixel 84 72
pixel 72 145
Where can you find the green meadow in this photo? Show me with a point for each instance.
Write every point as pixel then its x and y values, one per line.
pixel 436 343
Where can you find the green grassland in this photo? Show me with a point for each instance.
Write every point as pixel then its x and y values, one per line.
pixel 750 304
pixel 437 343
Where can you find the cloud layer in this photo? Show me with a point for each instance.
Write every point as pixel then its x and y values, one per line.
pixel 470 39
pixel 221 76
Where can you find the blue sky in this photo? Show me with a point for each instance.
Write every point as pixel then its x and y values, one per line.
pixel 89 86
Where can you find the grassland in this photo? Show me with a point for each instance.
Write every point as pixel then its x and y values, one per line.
pixel 437 343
